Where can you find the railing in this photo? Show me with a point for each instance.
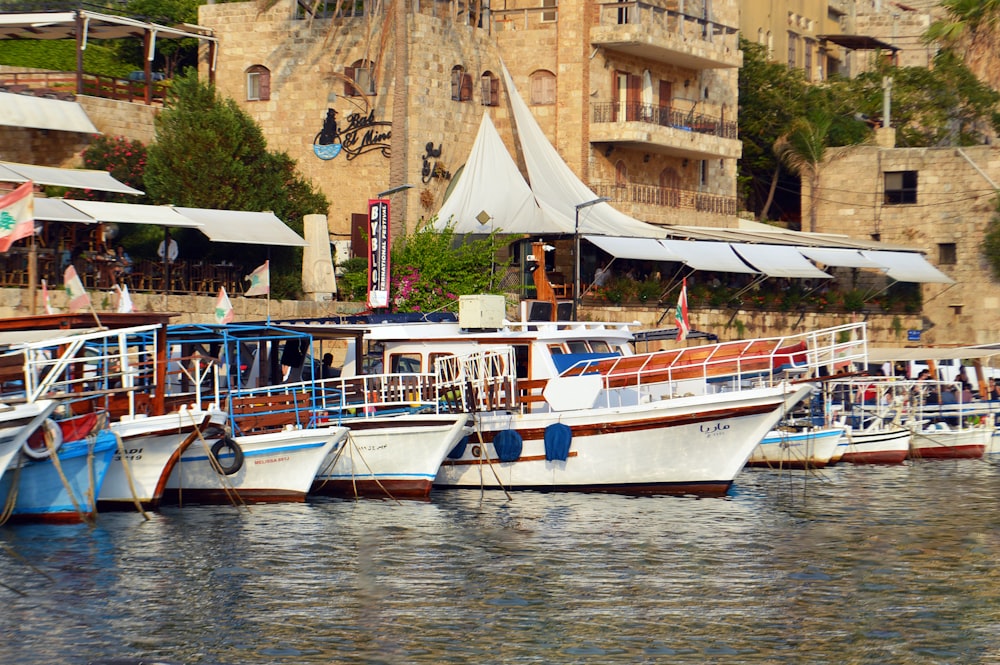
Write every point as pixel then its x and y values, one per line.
pixel 669 197
pixel 669 20
pixel 523 18
pixel 323 9
pixel 62 85
pixel 664 116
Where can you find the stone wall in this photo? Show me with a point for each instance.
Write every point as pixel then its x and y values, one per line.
pixel 956 198
pixel 119 118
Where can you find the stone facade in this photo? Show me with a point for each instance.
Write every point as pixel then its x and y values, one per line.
pixel 954 200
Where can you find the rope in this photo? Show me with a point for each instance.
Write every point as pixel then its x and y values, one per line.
pixel 11 502
pixel 354 446
pixel 482 452
pixel 234 497
pixel 128 475
pixel 62 476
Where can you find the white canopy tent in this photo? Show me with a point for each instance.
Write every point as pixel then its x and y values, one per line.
pixel 908 267
pixel 838 257
pixel 779 261
pixel 712 256
pixel 249 228
pixel 93 179
pixel 643 249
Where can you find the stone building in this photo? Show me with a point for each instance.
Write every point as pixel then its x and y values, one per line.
pixel 940 200
pixel 640 103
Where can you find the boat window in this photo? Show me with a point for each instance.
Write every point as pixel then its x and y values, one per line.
pixel 433 358
pixel 600 346
pixel 556 349
pixel 578 346
pixel 405 363
pixel 521 358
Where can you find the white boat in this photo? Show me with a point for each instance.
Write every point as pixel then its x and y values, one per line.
pixel 255 468
pixel 942 441
pixel 571 406
pixel 797 448
pixel 881 445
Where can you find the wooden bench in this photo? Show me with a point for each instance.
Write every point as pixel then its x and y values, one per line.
pixel 256 414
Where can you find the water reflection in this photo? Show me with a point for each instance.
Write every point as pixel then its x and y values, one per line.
pixel 858 564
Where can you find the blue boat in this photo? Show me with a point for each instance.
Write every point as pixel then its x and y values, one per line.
pixel 60 488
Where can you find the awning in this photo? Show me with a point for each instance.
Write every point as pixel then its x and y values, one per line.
pixel 908 267
pixel 878 355
pixel 57 210
pixel 642 249
pixel 778 261
pixel 251 228
pixel 42 113
pixel 714 256
pixel 839 258
pixel 132 213
pixel 62 25
pixel 96 180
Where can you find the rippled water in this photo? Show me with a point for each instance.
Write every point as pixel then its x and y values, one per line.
pixel 855 565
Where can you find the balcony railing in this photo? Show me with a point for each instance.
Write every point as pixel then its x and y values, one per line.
pixel 62 85
pixel 668 20
pixel 664 116
pixel 669 197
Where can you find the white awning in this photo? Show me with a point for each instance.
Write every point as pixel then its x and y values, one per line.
pixel 42 113
pixel 713 256
pixel 839 258
pixel 133 213
pixel 908 267
pixel 251 228
pixel 778 261
pixel 57 210
pixel 643 249
pixel 877 355
pixel 96 180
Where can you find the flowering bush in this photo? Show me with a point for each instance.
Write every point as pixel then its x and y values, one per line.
pixel 123 158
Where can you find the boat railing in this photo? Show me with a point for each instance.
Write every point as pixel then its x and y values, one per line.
pixel 479 381
pixel 736 364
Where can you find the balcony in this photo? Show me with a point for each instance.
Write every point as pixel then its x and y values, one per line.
pixel 652 196
pixel 665 35
pixel 665 129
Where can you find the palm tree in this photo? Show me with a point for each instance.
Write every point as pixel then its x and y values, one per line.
pixel 802 150
pixel 972 31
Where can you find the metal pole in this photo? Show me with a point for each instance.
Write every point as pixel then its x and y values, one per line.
pixel 576 250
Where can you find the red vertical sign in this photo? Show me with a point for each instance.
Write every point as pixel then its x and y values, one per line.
pixel 378 253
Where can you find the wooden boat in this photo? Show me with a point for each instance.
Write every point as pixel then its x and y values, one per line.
pixel 797 448
pixel 571 406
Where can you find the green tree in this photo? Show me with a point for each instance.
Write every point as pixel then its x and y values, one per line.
pixel 210 154
pixel 171 54
pixel 430 270
pixel 803 149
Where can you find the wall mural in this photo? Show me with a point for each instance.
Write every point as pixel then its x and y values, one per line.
pixel 362 134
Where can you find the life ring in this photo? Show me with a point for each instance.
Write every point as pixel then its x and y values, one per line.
pixel 236 463
pixel 44 441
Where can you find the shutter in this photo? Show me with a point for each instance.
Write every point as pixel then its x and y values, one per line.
pixel 494 91
pixel 466 87
pixel 265 84
pixel 349 89
pixel 456 85
pixel 549 89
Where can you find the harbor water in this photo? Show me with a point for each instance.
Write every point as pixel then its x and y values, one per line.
pixel 854 564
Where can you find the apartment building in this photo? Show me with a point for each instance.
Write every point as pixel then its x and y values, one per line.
pixel 639 100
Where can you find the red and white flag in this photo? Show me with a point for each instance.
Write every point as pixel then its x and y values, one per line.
pixel 45 298
pixel 260 280
pixel 17 215
pixel 681 315
pixel 75 293
pixel 223 308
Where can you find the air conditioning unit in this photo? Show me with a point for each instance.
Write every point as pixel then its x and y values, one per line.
pixel 481 311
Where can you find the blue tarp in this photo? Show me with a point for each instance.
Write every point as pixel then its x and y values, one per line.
pixel 557 439
pixel 563 361
pixel 508 445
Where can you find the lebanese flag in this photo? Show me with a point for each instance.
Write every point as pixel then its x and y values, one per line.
pixel 17 215
pixel 223 308
pixel 77 295
pixel 260 280
pixel 681 314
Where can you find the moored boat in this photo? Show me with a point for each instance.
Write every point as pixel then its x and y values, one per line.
pixel 798 448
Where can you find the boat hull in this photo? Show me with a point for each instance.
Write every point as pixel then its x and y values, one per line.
pixel 939 443
pixel 277 467
pixel 888 446
pixel 150 449
pixel 65 494
pixel 686 445
pixel 797 450
pixel 395 457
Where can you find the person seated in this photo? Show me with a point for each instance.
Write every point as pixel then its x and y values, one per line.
pixel 602 276
pixel 124 261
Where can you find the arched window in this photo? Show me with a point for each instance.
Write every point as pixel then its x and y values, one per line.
pixel 360 79
pixel 461 84
pixel 258 83
pixel 543 87
pixel 490 89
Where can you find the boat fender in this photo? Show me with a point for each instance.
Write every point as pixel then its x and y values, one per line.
pixel 558 437
pixel 459 449
pixel 236 463
pixel 41 447
pixel 508 445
